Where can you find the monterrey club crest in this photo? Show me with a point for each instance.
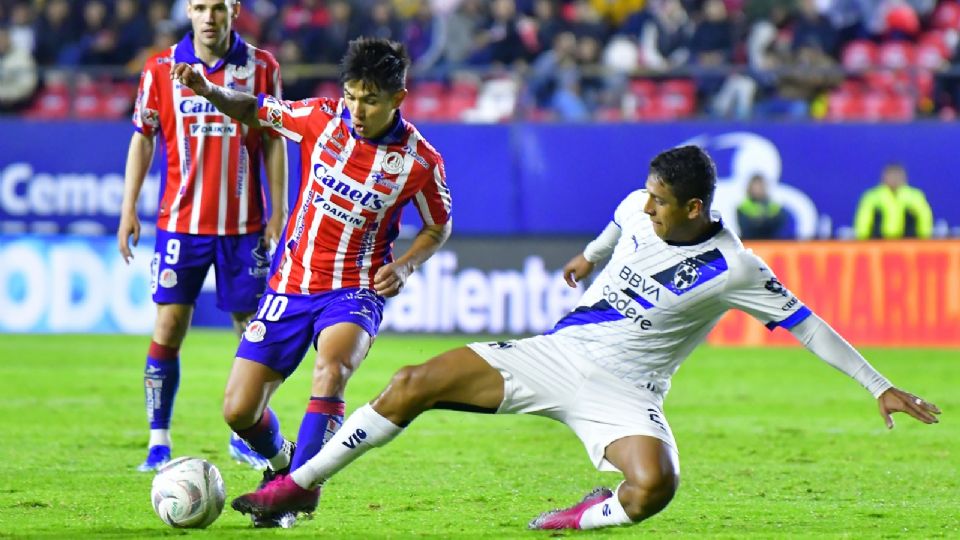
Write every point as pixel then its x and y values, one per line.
pixel 392 163
pixel 685 276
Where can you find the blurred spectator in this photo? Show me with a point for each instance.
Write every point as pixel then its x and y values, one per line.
pixel 165 35
pixel 18 74
pixel 711 48
pixel 463 27
pixel 500 42
pixel 296 85
pixel 132 29
pixel 330 42
pixel 382 22
pixel 22 33
pixel 555 80
pixel 813 29
pixel 893 209
pixel 54 30
pixel 758 217
pixel 547 23
pixel 616 11
pixel 425 34
pixel 97 44
pixel 799 83
pixel 664 31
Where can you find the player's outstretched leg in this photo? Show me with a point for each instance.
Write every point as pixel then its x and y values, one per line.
pixel 456 379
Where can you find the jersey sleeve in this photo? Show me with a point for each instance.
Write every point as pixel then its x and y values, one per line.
pixel 433 200
pixel 146 110
pixel 754 289
pixel 288 118
pixel 274 86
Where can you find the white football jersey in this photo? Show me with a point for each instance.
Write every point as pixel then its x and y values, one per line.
pixel 655 301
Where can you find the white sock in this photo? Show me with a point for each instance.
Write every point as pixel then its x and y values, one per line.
pixel 283 457
pixel 364 430
pixel 159 436
pixel 605 514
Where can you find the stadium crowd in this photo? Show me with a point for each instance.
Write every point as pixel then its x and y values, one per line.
pixel 554 59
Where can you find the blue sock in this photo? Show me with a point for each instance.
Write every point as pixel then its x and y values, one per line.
pixel 161 377
pixel 264 436
pixel 323 418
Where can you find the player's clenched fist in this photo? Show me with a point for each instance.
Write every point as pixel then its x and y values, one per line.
pixel 186 75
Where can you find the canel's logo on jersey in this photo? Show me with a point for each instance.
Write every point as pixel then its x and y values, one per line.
pixel 367 199
pixel 750 154
pixel 196 105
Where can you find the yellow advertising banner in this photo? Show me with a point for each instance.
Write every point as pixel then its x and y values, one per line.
pixel 880 293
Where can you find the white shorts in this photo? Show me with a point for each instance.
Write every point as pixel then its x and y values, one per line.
pixel 542 377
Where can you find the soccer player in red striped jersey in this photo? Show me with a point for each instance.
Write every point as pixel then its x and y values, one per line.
pixel 212 208
pixel 362 162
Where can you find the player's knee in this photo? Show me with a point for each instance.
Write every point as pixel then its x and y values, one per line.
pixel 170 328
pixel 646 494
pixel 332 371
pixel 409 385
pixel 237 414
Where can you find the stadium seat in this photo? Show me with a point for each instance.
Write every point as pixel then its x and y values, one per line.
pixel 897 55
pixel 426 101
pixel 897 108
pixel 118 99
pixel 946 16
pixel 88 104
pixel 930 56
pixel 859 55
pixel 51 103
pixel 679 97
pixel 841 106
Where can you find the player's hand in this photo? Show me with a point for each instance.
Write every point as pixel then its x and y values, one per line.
pixel 390 279
pixel 186 75
pixel 896 400
pixel 271 234
pixel 575 270
pixel 129 226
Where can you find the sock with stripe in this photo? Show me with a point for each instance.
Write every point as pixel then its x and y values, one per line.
pixel 323 418
pixel 364 430
pixel 161 378
pixel 265 438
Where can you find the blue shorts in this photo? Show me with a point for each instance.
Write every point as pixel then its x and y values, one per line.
pixel 287 324
pixel 181 261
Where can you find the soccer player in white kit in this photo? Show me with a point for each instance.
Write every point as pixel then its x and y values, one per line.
pixel 604 369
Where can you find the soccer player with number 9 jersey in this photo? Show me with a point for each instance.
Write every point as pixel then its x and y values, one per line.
pixel 212 209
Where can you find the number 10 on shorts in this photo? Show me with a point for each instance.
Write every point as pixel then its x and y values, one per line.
pixel 272 307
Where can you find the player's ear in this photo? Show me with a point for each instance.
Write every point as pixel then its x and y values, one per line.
pixel 694 208
pixel 398 97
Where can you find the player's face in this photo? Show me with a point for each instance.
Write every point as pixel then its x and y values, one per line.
pixel 212 21
pixel 371 109
pixel 671 220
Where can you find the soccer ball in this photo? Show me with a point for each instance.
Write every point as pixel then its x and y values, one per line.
pixel 188 492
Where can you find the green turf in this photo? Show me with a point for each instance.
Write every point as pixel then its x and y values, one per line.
pixel 773 444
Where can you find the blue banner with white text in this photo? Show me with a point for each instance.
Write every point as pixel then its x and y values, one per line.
pixel 67 177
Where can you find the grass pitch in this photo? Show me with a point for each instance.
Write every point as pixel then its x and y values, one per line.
pixel 773 444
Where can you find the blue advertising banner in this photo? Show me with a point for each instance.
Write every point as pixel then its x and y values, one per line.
pixel 524 178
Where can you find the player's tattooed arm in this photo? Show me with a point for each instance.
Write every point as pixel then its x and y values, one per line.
pixel 237 105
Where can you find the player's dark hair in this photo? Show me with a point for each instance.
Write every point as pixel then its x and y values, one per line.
pixel 688 171
pixel 376 62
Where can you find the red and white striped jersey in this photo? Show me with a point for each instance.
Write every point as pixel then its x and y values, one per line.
pixel 211 180
pixel 352 191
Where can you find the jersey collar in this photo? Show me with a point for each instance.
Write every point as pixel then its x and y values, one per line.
pixel 394 135
pixel 712 231
pixel 236 55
